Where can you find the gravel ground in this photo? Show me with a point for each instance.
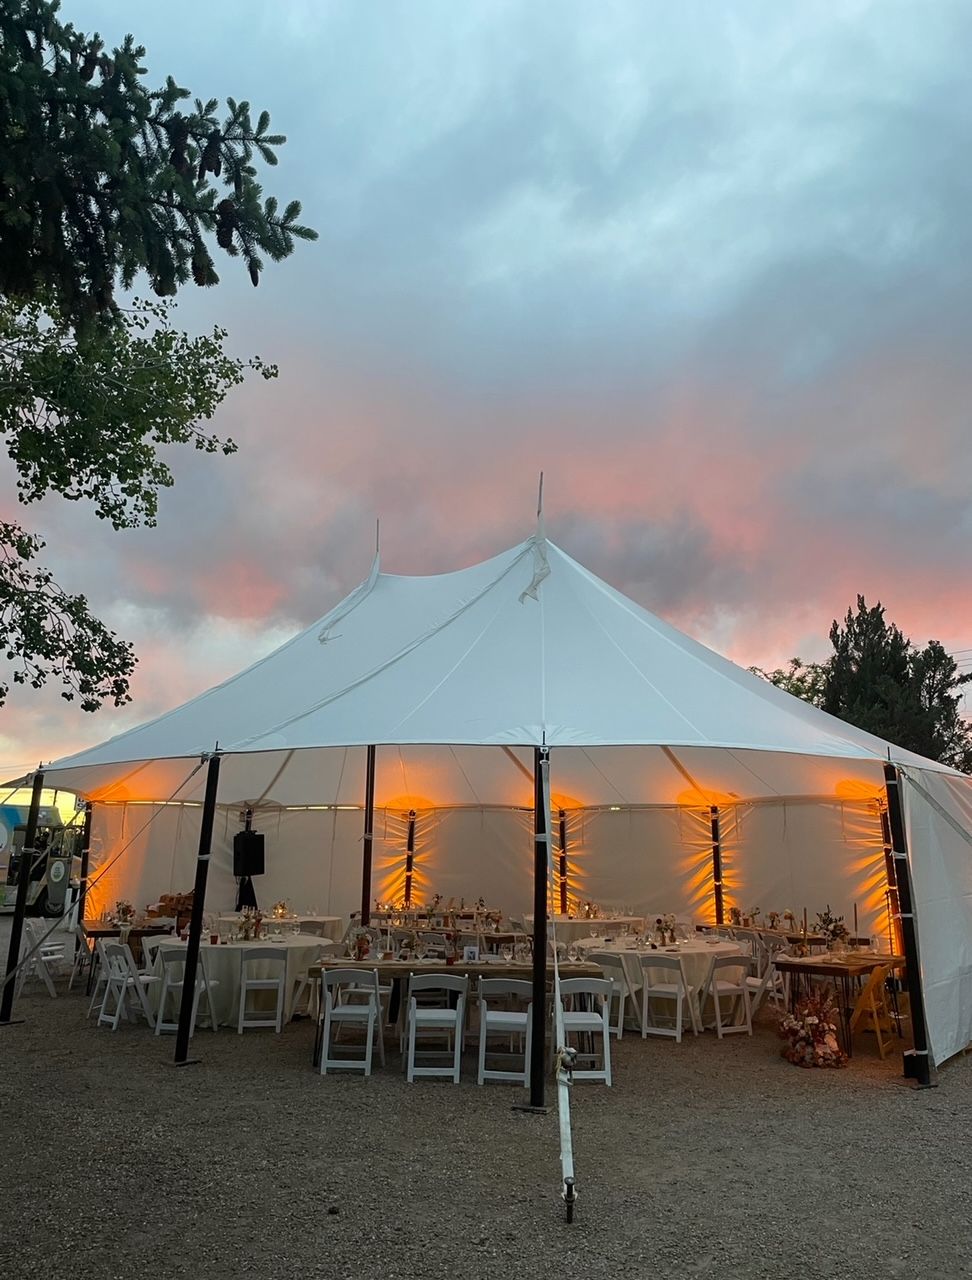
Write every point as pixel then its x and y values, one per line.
pixel 705 1159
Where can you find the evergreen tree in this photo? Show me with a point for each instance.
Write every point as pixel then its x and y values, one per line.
pixel 103 180
pixel 879 681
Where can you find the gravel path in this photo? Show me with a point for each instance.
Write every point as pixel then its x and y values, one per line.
pixel 706 1159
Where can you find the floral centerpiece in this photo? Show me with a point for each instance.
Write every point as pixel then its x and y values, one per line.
pixel 774 919
pixel 124 912
pixel 810 1034
pixel 831 927
pixel 251 922
pixel 735 916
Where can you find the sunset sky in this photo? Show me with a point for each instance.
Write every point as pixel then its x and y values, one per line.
pixel 708 266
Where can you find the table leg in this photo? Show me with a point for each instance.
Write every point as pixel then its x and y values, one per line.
pixel 845 1014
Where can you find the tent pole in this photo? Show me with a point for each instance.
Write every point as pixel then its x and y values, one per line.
pixel 85 857
pixel 893 906
pixel 195 920
pixel 409 858
pixel 369 824
pixel 563 862
pixel 540 859
pixel 717 864
pixel 917 1061
pixel 20 904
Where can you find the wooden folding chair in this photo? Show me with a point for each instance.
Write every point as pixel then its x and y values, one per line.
pixel 872 1002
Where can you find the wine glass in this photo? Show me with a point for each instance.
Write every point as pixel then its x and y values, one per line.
pixel 506 951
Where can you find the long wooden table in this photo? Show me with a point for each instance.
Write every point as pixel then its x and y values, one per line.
pixel 101 929
pixel 843 970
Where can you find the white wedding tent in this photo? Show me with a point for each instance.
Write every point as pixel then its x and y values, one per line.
pixel 456 679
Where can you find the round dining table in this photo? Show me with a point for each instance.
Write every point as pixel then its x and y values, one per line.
pixel 224 964
pixel 696 956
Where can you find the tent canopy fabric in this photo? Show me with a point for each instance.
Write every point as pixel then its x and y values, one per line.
pixel 526 649
pixel 458 677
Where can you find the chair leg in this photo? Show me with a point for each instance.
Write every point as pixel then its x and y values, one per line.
pixel 370 1037
pixel 325 1041
pixel 410 1054
pixel 242 1018
pixel 679 999
pixel 482 1048
pixel 607 1055
pixel 162 999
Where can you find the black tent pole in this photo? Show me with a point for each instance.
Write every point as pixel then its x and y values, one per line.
pixel 541 820
pixel 369 835
pixel 717 864
pixel 409 858
pixel 196 918
pixel 85 860
pixel 564 899
pixel 917 1062
pixel 20 903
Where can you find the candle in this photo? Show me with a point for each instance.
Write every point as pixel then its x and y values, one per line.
pixel 804 921
pixel 855 919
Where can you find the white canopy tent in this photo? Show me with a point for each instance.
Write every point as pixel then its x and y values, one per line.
pixel 457 679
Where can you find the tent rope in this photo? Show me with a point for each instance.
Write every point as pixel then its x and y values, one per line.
pixel 59 920
pixel 564 1056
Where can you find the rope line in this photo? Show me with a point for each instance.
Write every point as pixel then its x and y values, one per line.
pixel 564 1057
pixel 59 920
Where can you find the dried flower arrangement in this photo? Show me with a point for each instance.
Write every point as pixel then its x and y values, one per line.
pixel 810 1034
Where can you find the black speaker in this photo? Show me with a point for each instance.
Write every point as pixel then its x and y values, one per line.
pixel 248 853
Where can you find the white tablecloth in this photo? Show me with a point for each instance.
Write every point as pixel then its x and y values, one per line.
pixel 575 930
pixel 224 963
pixel 696 957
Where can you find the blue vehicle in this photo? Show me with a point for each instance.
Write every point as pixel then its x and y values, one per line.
pixel 52 873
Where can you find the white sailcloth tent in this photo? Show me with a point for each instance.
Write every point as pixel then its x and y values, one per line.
pixel 456 679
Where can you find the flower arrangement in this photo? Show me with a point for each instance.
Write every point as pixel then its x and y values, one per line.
pixel 735 916
pixel 789 919
pixel 124 912
pixel 810 1034
pixel 251 922
pixel 831 927
pixel 774 919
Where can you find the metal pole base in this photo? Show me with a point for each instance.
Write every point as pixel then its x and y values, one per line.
pixel 915 1068
pixel 189 1062
pixel 570 1197
pixel 526 1106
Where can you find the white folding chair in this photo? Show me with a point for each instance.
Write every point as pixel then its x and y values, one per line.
pixel 505 1021
pixel 124 983
pixel 442 1021
pixel 612 966
pixel 677 991
pixel 99 976
pixel 39 959
pixel 273 957
pixel 727 978
pixel 337 985
pixel 173 980
pixel 593 1021
pixel 84 955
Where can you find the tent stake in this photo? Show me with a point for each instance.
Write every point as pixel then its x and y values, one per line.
pixel 369 825
pixel 195 920
pixel 717 864
pixel 20 903
pixel 917 1064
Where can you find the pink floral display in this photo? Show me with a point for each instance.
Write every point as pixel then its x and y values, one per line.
pixel 810 1034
